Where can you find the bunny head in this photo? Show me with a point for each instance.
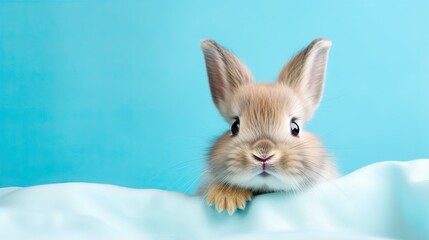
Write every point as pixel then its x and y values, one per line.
pixel 267 147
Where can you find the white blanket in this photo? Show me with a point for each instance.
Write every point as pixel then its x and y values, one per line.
pixel 383 200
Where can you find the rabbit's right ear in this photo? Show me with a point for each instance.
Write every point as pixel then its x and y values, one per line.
pixel 305 73
pixel 226 74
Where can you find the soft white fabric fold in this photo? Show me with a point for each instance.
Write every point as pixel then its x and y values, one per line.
pixel 383 200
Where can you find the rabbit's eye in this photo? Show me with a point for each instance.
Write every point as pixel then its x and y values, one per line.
pixel 294 128
pixel 235 127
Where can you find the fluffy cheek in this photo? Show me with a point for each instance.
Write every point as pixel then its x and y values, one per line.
pixel 237 160
pixel 302 155
pixel 291 162
pixel 237 165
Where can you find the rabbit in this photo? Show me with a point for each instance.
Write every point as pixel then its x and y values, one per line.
pixel 267 148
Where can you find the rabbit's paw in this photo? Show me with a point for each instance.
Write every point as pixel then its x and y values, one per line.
pixel 229 198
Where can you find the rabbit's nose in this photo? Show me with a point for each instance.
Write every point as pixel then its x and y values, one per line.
pixel 262 159
pixel 262 150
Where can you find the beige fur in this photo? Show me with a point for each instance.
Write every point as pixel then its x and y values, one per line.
pixel 265 112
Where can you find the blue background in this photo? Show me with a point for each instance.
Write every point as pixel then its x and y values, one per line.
pixel 116 91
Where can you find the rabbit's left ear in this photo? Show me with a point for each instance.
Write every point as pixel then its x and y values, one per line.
pixel 226 74
pixel 305 73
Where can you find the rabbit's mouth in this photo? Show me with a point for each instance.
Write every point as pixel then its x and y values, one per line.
pixel 264 172
pixel 264 181
pixel 265 169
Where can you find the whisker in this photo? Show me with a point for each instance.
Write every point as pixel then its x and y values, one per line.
pixel 193 180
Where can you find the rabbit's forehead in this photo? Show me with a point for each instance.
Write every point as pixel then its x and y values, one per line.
pixel 267 103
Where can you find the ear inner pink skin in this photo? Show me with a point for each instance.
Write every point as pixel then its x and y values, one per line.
pixel 217 85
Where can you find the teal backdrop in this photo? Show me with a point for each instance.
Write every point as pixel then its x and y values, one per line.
pixel 116 91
